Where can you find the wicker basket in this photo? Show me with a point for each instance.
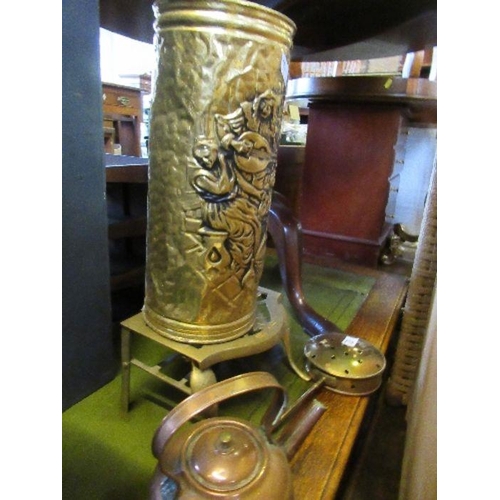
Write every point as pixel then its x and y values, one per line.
pixel 417 306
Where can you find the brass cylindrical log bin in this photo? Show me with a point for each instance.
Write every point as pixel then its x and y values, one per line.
pixel 217 102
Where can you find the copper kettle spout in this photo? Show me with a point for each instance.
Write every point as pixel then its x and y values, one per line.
pixel 300 420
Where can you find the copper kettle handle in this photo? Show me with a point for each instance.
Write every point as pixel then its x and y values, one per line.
pixel 216 393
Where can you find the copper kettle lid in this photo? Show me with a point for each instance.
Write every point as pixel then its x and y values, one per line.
pixel 224 457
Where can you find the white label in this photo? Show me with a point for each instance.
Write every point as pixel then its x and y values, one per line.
pixel 350 341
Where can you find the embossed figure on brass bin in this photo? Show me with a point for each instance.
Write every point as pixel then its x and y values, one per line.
pixel 235 181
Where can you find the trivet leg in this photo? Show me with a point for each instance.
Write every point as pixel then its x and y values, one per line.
pixel 199 379
pixel 125 347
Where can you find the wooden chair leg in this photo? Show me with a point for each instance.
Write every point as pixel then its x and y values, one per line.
pixel 285 231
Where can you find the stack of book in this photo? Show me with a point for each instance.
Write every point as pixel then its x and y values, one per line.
pixel 379 66
pixel 420 64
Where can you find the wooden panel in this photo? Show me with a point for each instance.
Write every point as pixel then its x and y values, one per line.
pixel 318 246
pixel 349 159
pixel 289 174
pixel 88 350
pixel 121 100
pixel 127 173
pixel 127 219
pixel 122 110
pixel 128 136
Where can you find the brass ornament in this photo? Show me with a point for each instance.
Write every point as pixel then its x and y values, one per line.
pixel 217 103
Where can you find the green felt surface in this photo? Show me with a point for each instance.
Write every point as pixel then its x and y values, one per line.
pixel 107 455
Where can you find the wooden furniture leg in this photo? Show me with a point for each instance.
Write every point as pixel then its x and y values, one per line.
pixel 125 355
pixel 285 231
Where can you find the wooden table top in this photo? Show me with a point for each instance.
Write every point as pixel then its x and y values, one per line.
pixel 320 463
pixel 386 89
pixel 127 169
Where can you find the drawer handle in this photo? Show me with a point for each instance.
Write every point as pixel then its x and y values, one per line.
pixel 123 100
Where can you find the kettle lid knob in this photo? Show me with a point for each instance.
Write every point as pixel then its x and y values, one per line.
pixel 225 442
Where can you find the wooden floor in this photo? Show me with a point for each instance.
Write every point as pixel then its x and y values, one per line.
pixel 374 471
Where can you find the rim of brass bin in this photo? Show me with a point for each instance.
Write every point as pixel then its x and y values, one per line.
pixel 192 333
pixel 231 14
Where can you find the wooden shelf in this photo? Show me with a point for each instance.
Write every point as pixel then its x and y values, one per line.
pixel 122 111
pixel 127 261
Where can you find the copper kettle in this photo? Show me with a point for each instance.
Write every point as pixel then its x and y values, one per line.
pixel 226 457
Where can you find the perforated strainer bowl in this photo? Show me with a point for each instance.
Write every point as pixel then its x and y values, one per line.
pixel 349 365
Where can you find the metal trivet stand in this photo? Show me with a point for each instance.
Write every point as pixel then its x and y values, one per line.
pixel 270 328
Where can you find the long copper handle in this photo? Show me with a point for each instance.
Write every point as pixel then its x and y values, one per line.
pixel 298 433
pixel 286 232
pixel 216 393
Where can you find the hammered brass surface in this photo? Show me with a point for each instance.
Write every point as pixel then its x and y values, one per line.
pixel 269 329
pixel 218 94
pixel 349 365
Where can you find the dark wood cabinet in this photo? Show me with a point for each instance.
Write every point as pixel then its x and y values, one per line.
pixel 349 160
pixel 122 114
pixel 126 196
pixel 289 173
pixel 357 128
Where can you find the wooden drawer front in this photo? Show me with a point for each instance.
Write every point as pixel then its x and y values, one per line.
pixel 122 101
